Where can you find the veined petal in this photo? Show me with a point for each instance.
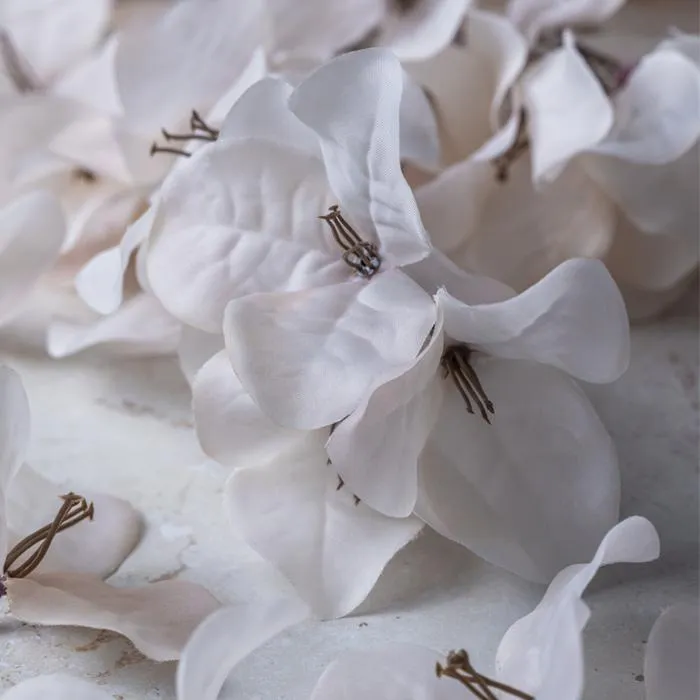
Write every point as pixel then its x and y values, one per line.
pixel 241 217
pixel 533 491
pixel 56 687
pixel 522 655
pixel 158 618
pixel 567 109
pixel 230 427
pixel 307 358
pixel 185 60
pixel 96 546
pixel 573 319
pixel 670 663
pixel 227 637
pixel 359 131
pixel 32 230
pixel 140 326
pixel 195 349
pixel 376 448
pixel 657 112
pixel 292 513
pixel 536 16
pixel 397 672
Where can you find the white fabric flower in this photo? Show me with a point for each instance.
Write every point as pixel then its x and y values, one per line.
pixel 64 584
pixel 239 240
pixel 602 164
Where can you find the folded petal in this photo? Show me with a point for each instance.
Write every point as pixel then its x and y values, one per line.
pixel 536 16
pixel 308 358
pixel 230 427
pixel 397 672
pixel 573 319
pixel 376 448
pixel 227 637
pixel 567 109
pixel 97 546
pixel 657 112
pixel 56 687
pixel 185 60
pixel 241 217
pixel 158 618
pixel 195 349
pixel 292 513
pixel 359 131
pixel 522 656
pixel 141 327
pixel 533 491
pixel 32 231
pixel 670 663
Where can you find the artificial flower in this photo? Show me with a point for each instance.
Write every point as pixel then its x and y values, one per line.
pixel 289 233
pixel 57 551
pixel 567 152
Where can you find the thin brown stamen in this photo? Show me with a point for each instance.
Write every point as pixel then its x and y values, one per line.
pixel 199 131
pixel 74 510
pixel 459 667
pixel 361 256
pixel 341 481
pixel 455 363
pixel 504 162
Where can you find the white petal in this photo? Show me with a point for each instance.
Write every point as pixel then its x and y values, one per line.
pixel 397 672
pixel 238 218
pixel 671 661
pixel 31 234
pixel 573 319
pixel 533 491
pixel 195 349
pixel 424 29
pixel 522 655
pixel 535 16
pixel 141 326
pixel 376 448
pixel 657 113
pixel 55 687
pixel 686 44
pixel 97 546
pixel 307 358
pixel 184 61
pixel 419 139
pixel 157 618
pixel 230 427
pixel 523 233
pixel 568 111
pixel 227 637
pixel 359 131
pixel 51 35
pixel 100 283
pixel 291 512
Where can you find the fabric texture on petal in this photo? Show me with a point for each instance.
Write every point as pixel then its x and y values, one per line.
pixel 307 358
pixel 533 491
pixel 293 514
pixel 158 618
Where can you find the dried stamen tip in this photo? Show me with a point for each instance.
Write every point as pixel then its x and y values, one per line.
pixel 200 131
pixel 74 510
pixel 361 256
pixel 455 363
pixel 459 667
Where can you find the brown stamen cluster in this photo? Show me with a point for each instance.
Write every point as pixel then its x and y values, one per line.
pixel 455 363
pixel 199 131
pixel 361 256
pixel 341 481
pixel 459 667
pixel 75 509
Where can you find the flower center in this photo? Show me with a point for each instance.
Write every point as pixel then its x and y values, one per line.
pixel 455 363
pixel 459 667
pixel 361 256
pixel 17 69
pixel 75 509
pixel 199 131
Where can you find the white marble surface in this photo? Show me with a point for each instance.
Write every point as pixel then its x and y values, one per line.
pixel 125 427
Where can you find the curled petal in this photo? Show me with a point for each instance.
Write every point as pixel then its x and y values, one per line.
pixel 293 514
pixel 158 618
pixel 308 358
pixel 536 488
pixel 574 319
